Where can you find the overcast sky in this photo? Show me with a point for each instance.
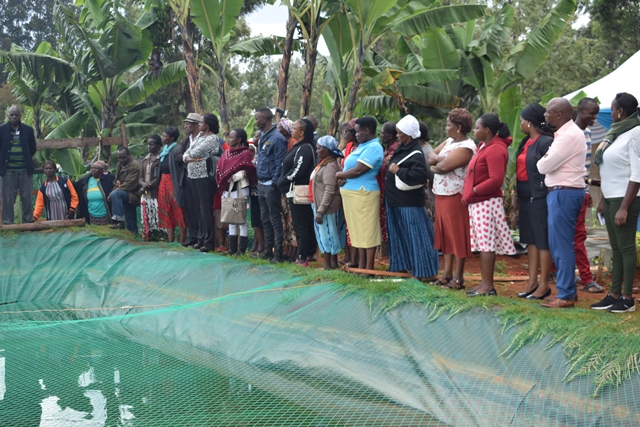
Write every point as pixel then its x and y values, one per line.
pixel 272 20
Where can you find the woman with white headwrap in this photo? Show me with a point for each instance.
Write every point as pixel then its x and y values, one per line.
pixel 410 230
pixel 327 203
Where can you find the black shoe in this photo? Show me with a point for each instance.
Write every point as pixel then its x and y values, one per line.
pixel 266 255
pixel 205 248
pixel 189 244
pixel 624 305
pixel 605 304
pixel 233 246
pixel 526 294
pixel 242 247
pixel 195 246
pixel 276 260
pixel 119 225
pixel 543 296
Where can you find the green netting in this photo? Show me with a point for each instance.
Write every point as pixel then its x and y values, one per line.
pixel 101 332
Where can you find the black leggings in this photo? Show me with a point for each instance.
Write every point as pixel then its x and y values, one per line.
pixel 302 219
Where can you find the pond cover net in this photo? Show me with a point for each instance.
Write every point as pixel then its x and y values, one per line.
pixel 100 332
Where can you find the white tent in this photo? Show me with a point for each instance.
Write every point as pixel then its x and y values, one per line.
pixel 622 79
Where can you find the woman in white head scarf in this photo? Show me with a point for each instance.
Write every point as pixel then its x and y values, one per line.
pixel 410 230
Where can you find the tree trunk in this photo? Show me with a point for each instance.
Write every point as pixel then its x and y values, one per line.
pixel 36 123
pixel 353 93
pixel 311 55
pixel 283 74
pixel 222 93
pixel 191 67
pixel 334 122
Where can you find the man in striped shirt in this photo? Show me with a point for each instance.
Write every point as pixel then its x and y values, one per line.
pixel 17 147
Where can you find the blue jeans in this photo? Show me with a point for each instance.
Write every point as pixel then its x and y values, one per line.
pixel 122 210
pixel 563 210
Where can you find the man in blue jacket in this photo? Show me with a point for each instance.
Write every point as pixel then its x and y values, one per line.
pixel 17 147
pixel 272 149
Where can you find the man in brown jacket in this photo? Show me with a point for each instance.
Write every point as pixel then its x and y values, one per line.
pixel 126 193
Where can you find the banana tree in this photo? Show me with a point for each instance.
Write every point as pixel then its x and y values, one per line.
pixel 32 75
pixel 216 19
pixel 369 21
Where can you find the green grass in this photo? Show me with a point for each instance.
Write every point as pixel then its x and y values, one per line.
pixel 599 344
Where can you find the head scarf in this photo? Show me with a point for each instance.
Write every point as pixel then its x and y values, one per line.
pixel 351 124
pixel 409 126
pixel 287 125
pixel 102 165
pixel 330 144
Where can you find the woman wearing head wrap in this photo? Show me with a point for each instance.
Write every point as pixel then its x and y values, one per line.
pixel 410 230
pixel 327 202
pixel 532 199
pixel 449 164
pixel 93 190
pixel 285 127
pixel 482 193
pixel 619 159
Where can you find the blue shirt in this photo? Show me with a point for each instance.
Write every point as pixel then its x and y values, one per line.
pixel 369 154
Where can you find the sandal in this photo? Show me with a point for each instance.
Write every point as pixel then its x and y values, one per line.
pixel 455 284
pixel 443 281
pixel 592 288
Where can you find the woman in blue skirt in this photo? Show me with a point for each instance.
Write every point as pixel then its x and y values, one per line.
pixel 410 230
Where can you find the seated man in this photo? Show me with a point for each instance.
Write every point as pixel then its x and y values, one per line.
pixel 126 193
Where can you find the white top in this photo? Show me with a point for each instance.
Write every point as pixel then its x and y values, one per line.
pixel 451 183
pixel 621 164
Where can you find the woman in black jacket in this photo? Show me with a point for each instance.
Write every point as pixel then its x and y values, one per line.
pixel 410 229
pixel 532 199
pixel 296 170
pixel 93 189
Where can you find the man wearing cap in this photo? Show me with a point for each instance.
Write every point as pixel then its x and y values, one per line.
pixel 563 167
pixel 17 147
pixel 272 148
pixel 191 130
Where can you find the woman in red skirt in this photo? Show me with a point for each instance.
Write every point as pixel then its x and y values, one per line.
pixel 170 192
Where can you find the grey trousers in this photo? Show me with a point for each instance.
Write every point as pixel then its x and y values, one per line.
pixel 12 183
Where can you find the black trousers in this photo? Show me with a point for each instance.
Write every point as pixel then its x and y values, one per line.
pixel 271 215
pixel 302 219
pixel 200 192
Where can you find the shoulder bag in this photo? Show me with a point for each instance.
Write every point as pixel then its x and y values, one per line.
pixel 233 209
pixel 400 184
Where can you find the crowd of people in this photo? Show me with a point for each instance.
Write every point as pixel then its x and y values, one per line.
pixel 307 193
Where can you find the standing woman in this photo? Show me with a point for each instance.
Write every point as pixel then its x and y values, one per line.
pixel 532 200
pixel 482 193
pixel 410 231
pixel 619 159
pixel 361 193
pixel 296 170
pixel 327 203
pixel 170 191
pixel 149 182
pixel 57 195
pixel 449 164
pixel 389 141
pixel 290 245
pixel 236 169
pixel 351 143
pixel 199 186
pixel 92 192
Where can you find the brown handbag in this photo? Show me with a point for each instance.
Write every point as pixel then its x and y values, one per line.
pixel 233 209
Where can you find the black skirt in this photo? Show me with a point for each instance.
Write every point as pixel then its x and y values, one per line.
pixel 532 217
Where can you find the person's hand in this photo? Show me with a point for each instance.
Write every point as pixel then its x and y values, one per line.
pixel 589 201
pixel 117 183
pixel 621 217
pixel 600 209
pixel 318 218
pixel 341 182
pixel 393 168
